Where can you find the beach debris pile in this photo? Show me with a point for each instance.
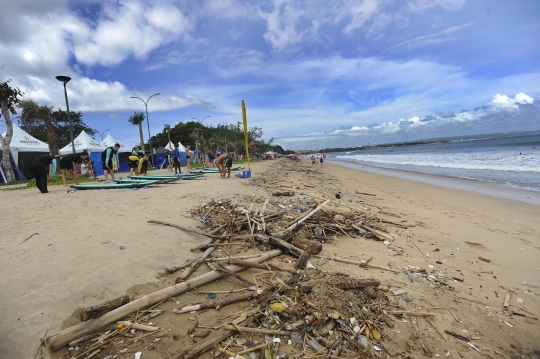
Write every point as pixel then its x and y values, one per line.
pixel 294 309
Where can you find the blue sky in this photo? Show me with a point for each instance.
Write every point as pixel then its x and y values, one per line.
pixel 313 73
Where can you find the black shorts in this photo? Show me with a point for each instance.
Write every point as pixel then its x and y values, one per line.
pixel 65 164
pixel 229 163
pixel 188 157
pixel 133 164
pixel 105 165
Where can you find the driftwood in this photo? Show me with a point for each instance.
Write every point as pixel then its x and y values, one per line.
pixel 379 234
pixel 184 228
pixel 221 267
pixel 208 245
pixel 217 304
pixel 60 339
pixel 186 273
pixel 309 246
pixel 506 301
pixel 99 310
pixel 259 265
pixel 303 256
pixel 137 326
pixel 358 263
pixel 292 226
pixel 181 266
pixel 257 330
pixel 208 343
pixel 351 283
pixel 282 193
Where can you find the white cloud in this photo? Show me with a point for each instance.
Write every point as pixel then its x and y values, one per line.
pixel 505 101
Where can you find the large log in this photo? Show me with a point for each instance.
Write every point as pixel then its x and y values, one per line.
pixel 60 339
pixel 100 309
pixel 312 247
pixel 303 256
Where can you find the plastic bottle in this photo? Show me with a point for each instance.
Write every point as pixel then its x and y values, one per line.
pixel 531 284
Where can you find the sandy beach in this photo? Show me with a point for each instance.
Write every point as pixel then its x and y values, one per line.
pixel 92 246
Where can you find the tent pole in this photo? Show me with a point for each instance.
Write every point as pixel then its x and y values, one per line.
pixel 2 173
pixel 16 166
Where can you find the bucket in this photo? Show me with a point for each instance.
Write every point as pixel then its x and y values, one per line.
pixel 246 174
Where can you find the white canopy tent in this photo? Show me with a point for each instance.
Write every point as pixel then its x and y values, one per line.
pixel 170 146
pixel 83 142
pixel 181 146
pixel 110 141
pixel 23 142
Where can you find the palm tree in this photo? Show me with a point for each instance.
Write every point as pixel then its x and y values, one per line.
pixel 31 111
pixel 137 119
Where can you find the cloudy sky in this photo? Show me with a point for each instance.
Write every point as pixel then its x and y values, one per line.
pixel 314 73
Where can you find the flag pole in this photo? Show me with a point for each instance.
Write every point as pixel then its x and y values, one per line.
pixel 246 132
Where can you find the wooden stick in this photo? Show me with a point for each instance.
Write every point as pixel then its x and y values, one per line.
pixel 418 314
pixel 184 228
pixel 303 256
pixel 223 268
pixel 259 331
pixel 217 304
pixel 291 227
pixel 223 259
pixel 506 301
pixel 377 233
pixel 100 309
pixel 60 339
pixel 359 263
pixel 259 266
pixel 437 328
pixel 44 335
pixel 260 346
pixel 208 245
pixel 186 273
pixel 181 266
pixel 137 326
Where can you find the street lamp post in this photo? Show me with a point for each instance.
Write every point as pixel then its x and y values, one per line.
pixel 102 133
pixel 148 122
pixel 65 80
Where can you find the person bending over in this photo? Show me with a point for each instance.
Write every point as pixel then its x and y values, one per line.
pixel 39 168
pixel 224 163
pixel 68 162
pixel 106 158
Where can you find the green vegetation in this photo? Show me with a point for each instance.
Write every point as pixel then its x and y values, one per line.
pixel 223 137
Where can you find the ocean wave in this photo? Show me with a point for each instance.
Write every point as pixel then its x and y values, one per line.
pixel 493 162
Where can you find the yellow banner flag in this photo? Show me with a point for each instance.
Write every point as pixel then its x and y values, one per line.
pixel 246 132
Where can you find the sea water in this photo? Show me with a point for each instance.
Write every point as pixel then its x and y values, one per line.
pixel 509 160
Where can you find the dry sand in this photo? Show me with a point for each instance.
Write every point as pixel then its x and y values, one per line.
pixel 75 259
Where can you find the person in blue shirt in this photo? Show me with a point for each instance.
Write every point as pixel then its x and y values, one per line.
pixel 176 159
pixel 39 169
pixel 106 159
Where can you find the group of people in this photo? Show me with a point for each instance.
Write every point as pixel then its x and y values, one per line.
pixel 68 163
pixel 137 161
pixel 316 160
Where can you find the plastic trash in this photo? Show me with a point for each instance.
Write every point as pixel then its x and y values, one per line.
pixel 211 295
pixel 364 341
pixel 206 218
pixel 412 276
pixel 531 284
pixel 315 345
pixel 122 248
pixel 402 302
